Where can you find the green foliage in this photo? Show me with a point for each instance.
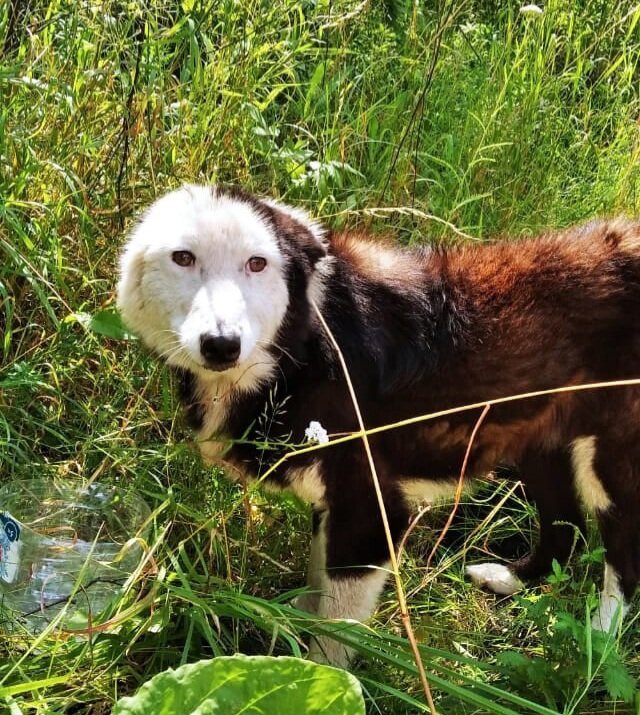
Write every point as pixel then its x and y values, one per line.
pixel 570 651
pixel 105 322
pixel 248 685
pixel 423 119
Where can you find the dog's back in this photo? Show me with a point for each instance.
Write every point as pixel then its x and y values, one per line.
pixel 504 319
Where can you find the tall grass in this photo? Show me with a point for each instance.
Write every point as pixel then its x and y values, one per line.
pixel 425 121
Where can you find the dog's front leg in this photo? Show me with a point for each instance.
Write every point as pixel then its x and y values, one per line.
pixel 346 598
pixel 349 583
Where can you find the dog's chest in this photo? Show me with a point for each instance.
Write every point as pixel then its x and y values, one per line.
pixel 247 432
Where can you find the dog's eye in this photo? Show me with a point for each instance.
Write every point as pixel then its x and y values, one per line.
pixel 183 258
pixel 256 264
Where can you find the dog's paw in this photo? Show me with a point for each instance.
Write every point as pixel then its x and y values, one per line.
pixel 326 651
pixel 308 602
pixel 496 577
pixel 609 614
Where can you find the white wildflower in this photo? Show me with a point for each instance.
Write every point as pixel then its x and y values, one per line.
pixel 315 432
pixel 531 10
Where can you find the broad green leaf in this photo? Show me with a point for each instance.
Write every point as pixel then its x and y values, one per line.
pixel 105 322
pixel 251 685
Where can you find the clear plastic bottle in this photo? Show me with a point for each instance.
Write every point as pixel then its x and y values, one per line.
pixel 66 550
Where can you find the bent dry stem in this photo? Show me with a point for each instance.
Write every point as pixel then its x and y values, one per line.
pixel 444 413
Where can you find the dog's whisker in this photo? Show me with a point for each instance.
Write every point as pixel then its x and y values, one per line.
pixel 275 345
pixel 160 332
pixel 170 352
pixel 171 348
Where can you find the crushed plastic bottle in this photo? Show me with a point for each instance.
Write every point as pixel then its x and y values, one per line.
pixel 66 551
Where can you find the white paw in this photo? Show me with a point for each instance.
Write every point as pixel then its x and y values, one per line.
pixel 306 602
pixel 609 614
pixel 329 652
pixel 496 577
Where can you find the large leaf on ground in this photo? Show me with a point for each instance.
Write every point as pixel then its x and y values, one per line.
pixel 251 685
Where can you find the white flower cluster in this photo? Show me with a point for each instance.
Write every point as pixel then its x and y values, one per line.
pixel 315 432
pixel 531 10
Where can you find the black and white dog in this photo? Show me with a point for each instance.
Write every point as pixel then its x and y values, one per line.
pixel 221 285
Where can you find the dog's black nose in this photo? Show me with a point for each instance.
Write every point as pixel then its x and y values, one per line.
pixel 220 350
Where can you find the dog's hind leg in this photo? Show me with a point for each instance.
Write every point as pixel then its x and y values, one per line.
pixel 616 465
pixel 548 479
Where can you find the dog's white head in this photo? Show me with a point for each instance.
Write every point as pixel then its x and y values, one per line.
pixel 206 279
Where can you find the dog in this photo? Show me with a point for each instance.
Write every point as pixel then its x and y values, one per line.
pixel 224 287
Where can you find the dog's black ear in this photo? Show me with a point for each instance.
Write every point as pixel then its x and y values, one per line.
pixel 299 235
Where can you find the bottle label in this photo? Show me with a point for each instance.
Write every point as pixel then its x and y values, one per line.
pixel 10 545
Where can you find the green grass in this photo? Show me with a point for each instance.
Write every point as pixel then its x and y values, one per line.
pixel 468 116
